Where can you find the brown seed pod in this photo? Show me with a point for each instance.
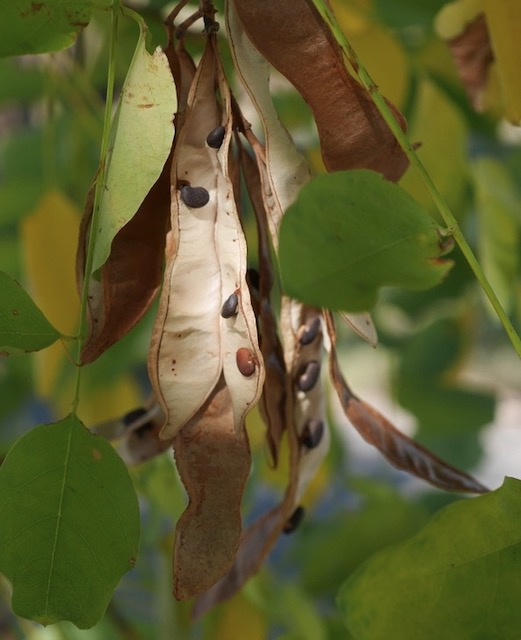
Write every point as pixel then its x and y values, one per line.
pixel 230 305
pixel 308 375
pixel 194 197
pixel 245 361
pixel 216 136
pixel 312 433
pixel 309 331
pixel 296 518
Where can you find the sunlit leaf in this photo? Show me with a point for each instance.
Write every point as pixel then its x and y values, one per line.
pixel 350 233
pixel 23 327
pixel 36 27
pixel 457 578
pixel 70 523
pixel 143 136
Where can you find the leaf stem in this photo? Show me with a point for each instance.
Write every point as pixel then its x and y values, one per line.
pixel 453 227
pixel 99 188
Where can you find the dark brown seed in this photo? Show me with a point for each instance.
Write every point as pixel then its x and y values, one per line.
pixel 245 362
pixel 308 375
pixel 230 305
pixel 312 433
pixel 296 518
pixel 194 197
pixel 215 138
pixel 309 331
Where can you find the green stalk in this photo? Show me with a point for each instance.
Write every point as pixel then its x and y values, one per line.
pixel 453 227
pixel 100 186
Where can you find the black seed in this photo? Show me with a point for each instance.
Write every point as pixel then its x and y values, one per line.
pixel 194 197
pixel 296 518
pixel 230 305
pixel 308 375
pixel 312 433
pixel 132 416
pixel 309 331
pixel 215 138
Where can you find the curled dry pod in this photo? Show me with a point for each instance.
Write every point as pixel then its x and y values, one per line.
pixel 216 136
pixel 353 135
pixel 194 197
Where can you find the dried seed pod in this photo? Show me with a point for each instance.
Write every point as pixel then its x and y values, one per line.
pixel 308 375
pixel 194 197
pixel 216 136
pixel 312 433
pixel 296 518
pixel 253 278
pixel 245 361
pixel 309 331
pixel 230 305
pixel 133 415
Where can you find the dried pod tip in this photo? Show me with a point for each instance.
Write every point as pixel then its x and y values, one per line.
pixel 216 136
pixel 309 331
pixel 312 433
pixel 230 305
pixel 296 518
pixel 246 362
pixel 308 375
pixel 194 197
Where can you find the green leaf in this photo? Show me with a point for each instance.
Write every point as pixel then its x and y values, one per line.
pixel 143 132
pixel 457 578
pixel 23 327
pixel 350 233
pixel 70 523
pixel 29 26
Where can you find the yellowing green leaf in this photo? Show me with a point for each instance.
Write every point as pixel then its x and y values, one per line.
pixel 36 27
pixel 49 244
pixel 23 327
pixel 350 233
pixel 70 523
pixel 503 20
pixel 457 578
pixel 142 139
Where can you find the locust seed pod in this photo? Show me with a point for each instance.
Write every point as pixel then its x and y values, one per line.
pixel 133 415
pixel 215 138
pixel 245 362
pixel 194 197
pixel 230 305
pixel 308 375
pixel 309 331
pixel 253 278
pixel 312 433
pixel 296 518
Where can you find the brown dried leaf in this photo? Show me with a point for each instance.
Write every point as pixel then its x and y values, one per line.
pixel 473 55
pixel 213 459
pixel 295 40
pixel 402 452
pixel 131 277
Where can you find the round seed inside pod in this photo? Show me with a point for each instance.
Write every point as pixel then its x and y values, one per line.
pixel 194 197
pixel 312 433
pixel 246 362
pixel 309 331
pixel 230 305
pixel 215 138
pixel 308 375
pixel 296 518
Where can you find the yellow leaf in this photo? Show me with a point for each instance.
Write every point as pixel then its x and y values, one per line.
pixel 238 615
pixel 504 22
pixel 104 403
pixel 49 237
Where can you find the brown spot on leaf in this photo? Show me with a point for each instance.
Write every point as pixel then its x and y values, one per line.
pixel 96 454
